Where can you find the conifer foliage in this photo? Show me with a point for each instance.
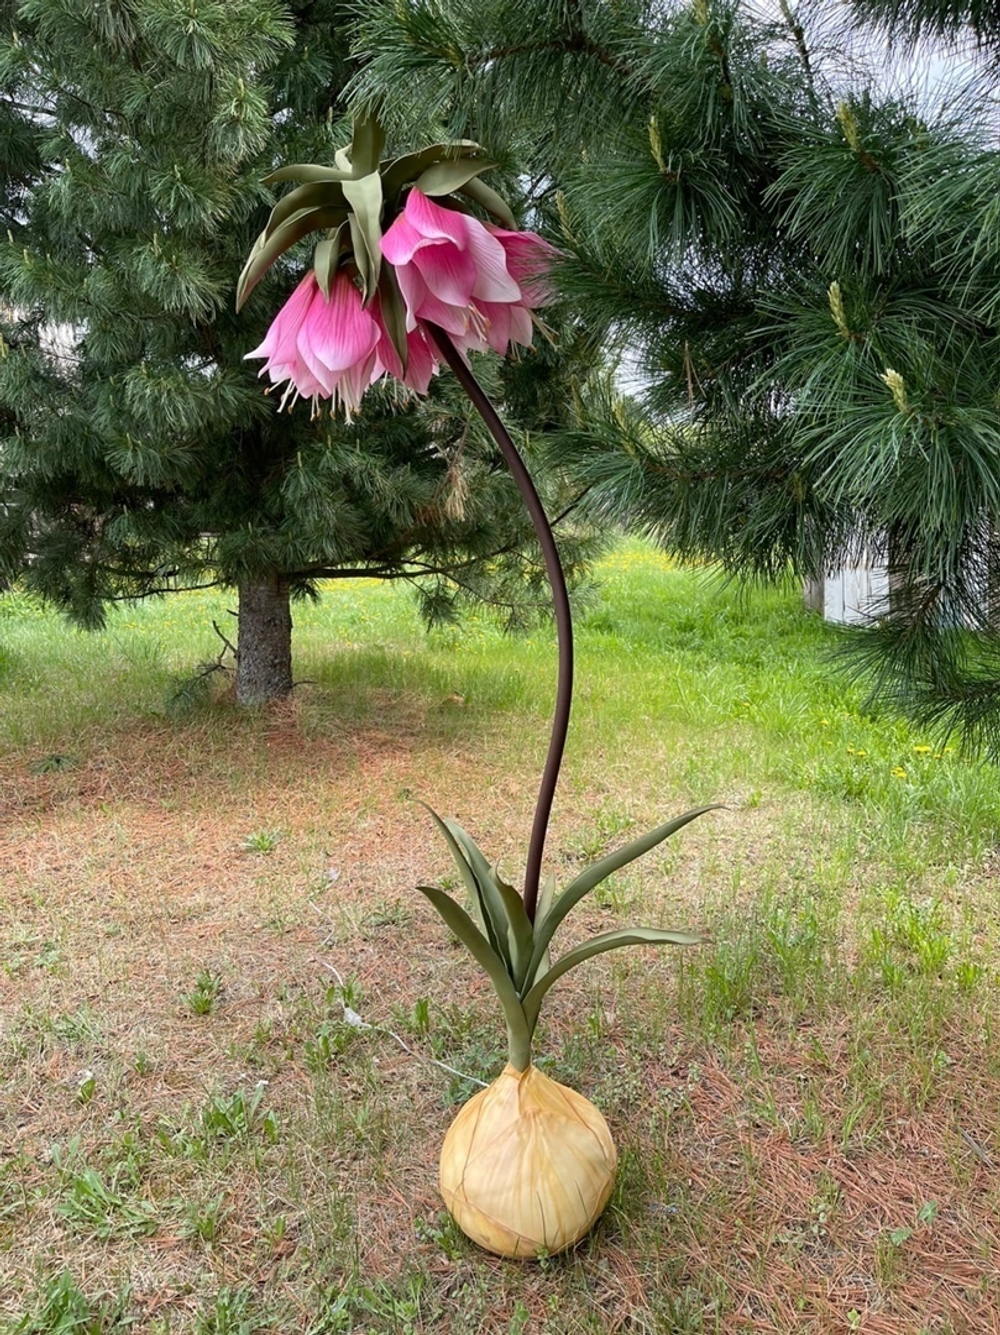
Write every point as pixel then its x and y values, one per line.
pixel 804 266
pixel 138 451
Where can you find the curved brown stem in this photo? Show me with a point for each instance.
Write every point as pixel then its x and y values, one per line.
pixel 560 602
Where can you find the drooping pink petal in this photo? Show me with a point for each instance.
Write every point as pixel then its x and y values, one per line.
pixel 493 281
pixel 422 304
pixel 352 382
pixel 450 274
pixel 421 363
pixel 435 222
pixel 336 334
pixel 285 325
pixel 402 240
pixel 529 258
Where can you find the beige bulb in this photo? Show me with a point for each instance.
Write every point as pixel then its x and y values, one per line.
pixel 527 1165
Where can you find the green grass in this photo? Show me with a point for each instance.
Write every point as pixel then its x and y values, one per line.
pixel 200 1140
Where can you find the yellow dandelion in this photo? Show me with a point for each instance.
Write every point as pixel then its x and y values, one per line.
pixel 922 750
pixel 898 772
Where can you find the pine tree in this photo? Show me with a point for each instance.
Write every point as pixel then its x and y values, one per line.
pixel 138 452
pixel 804 268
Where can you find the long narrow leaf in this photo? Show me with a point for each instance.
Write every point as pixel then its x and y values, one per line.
pixel 410 165
pixel 367 143
pixel 319 194
pixel 626 936
pixel 521 933
pixel 535 971
pixel 472 938
pixel 292 230
pixel 326 257
pixel 488 199
pixel 503 904
pixel 306 171
pixel 393 312
pixel 445 177
pixel 490 895
pixel 497 939
pixel 600 871
pixel 365 198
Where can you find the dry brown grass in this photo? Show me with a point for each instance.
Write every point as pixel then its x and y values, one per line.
pixel 741 1208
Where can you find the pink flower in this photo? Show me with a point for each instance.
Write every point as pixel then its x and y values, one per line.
pixel 462 275
pixel 335 348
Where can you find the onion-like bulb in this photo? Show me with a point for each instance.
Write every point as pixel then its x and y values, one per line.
pixel 527 1165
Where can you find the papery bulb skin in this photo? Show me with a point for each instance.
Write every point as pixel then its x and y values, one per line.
pixel 527 1166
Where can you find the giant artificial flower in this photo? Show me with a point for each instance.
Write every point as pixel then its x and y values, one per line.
pixel 392 261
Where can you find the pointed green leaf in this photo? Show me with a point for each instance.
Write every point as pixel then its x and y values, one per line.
pixel 365 199
pixel 519 930
pixel 489 892
pixel 535 971
pixel 472 938
pixel 326 257
pixel 321 194
pixel 366 145
pixel 497 938
pixel 306 171
pixel 393 312
pixel 361 257
pixel 267 249
pixel 481 194
pixel 444 177
pixel 405 170
pixel 627 936
pixel 600 871
pixel 503 904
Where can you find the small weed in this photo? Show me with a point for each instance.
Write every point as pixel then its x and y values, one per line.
pixel 330 1040
pixel 90 1204
pixel 420 1018
pixel 86 1087
pixel 233 1117
pixel 204 1219
pixel 442 1233
pixel 262 841
pixel 65 1310
pixel 53 764
pixel 205 993
pixel 226 1314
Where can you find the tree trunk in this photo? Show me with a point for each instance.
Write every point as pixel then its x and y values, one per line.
pixel 264 642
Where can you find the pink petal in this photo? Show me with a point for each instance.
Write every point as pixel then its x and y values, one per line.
pixel 286 323
pixel 352 383
pixel 450 274
pixel 422 304
pixel 493 280
pixel 401 241
pixel 433 221
pixel 421 364
pixel 496 318
pixel 529 259
pixel 336 334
